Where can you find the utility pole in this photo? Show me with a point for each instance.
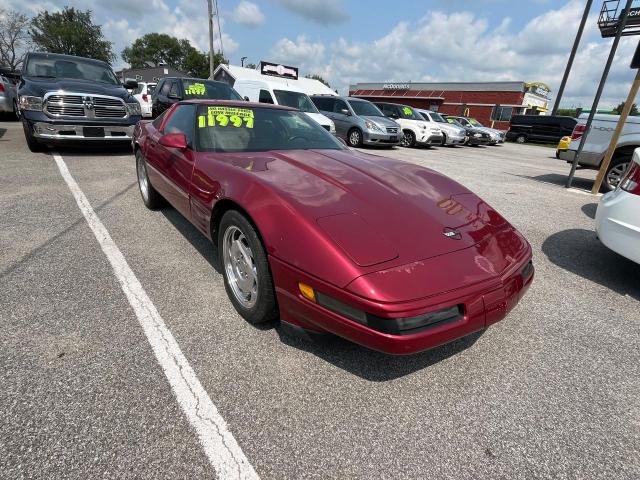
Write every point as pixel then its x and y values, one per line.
pixel 572 55
pixel 242 59
pixel 209 2
pixel 619 29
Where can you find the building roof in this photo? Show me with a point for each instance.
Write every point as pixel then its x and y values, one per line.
pixel 306 85
pixel 515 86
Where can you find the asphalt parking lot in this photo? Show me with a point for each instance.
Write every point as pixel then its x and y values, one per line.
pixel 550 392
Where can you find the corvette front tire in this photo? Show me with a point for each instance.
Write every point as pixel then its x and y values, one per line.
pixel 245 268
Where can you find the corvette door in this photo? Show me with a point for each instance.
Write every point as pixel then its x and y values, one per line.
pixel 177 165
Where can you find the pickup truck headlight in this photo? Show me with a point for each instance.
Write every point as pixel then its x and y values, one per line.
pixel 372 126
pixel 134 109
pixel 31 103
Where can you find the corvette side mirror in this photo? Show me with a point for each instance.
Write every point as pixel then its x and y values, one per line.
pixel 174 140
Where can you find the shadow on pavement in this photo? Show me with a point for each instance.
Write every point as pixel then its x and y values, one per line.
pixel 2 132
pixel 194 236
pixel 560 180
pixel 369 364
pixel 91 150
pixel 589 209
pixel 580 252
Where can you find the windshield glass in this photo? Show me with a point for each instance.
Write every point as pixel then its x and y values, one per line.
pixel 194 88
pixel 409 113
pixel 453 121
pixel 437 117
pixel 298 100
pixel 70 68
pixel 239 129
pixel 475 122
pixel 365 109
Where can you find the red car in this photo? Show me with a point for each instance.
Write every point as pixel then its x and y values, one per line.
pixel 385 253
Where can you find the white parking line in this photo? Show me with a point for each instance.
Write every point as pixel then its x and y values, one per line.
pixel 221 448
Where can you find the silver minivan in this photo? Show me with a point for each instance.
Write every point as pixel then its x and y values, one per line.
pixel 359 121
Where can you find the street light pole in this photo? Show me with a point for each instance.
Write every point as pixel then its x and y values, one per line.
pixel 209 2
pixel 572 55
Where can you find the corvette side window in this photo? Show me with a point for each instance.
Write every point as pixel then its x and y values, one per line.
pixel 182 120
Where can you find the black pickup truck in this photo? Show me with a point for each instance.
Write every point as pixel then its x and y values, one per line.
pixel 68 99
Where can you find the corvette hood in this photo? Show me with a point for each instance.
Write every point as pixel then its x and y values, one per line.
pixel 376 209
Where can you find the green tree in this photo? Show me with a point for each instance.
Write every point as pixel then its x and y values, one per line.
pixel 252 66
pixel 70 32
pixel 618 109
pixel 14 38
pixel 319 78
pixel 159 48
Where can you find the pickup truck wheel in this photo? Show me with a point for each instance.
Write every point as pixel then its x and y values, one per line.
pixel 32 142
pixel 408 139
pixel 521 139
pixel 150 196
pixel 247 278
pixel 615 172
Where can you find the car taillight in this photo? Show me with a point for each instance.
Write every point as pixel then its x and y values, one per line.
pixel 631 181
pixel 1 87
pixel 578 131
pixel 144 97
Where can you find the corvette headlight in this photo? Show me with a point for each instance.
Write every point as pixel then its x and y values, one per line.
pixel 372 126
pixel 134 109
pixel 31 103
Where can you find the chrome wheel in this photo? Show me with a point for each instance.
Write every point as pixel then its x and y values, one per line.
pixel 354 138
pixel 240 266
pixel 407 140
pixel 616 173
pixel 143 180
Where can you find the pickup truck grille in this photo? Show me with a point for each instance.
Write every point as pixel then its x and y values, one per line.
pixel 84 106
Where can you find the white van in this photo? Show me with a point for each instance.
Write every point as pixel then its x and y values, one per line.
pixel 280 94
pixel 255 87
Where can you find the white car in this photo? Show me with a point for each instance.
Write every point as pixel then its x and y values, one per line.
pixel 451 134
pixel 143 95
pixel 416 131
pixel 618 214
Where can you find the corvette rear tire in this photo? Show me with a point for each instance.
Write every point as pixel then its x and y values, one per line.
pixel 150 196
pixel 245 268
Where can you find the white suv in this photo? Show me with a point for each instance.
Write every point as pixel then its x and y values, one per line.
pixel 416 131
pixel 143 95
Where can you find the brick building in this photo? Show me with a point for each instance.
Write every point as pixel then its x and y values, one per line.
pixel 492 103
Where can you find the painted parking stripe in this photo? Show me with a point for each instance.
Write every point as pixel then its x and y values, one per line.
pixel 221 448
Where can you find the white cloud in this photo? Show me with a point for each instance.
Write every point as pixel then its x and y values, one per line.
pixel 248 14
pixel 324 12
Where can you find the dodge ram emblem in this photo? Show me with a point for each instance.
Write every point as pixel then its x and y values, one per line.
pixel 88 103
pixel 452 233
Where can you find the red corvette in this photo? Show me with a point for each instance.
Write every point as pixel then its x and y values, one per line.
pixel 387 254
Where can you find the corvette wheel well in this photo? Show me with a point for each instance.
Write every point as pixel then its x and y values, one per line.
pixel 220 208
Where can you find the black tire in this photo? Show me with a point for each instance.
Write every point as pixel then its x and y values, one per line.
pixel 32 142
pixel 617 168
pixel 408 139
pixel 521 139
pixel 354 138
pixel 265 308
pixel 150 196
pixel 444 139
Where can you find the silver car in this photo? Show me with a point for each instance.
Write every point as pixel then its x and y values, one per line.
pixel 359 121
pixel 497 136
pixel 8 98
pixel 451 134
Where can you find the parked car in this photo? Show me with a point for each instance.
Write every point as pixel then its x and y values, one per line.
pixel 358 121
pixel 451 134
pixel 64 98
pixel 563 145
pixel 540 128
pixel 171 90
pixel 475 136
pixel 329 239
pixel 618 215
pixel 497 136
pixel 143 95
pixel 597 143
pixel 8 96
pixel 280 93
pixel 415 130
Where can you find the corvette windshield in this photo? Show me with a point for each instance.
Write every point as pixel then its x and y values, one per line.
pixel 50 67
pixel 251 129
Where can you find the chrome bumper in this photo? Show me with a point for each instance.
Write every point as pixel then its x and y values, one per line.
pixel 51 131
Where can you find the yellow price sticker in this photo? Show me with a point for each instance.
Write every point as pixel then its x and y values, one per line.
pixel 196 89
pixel 224 116
pixel 407 110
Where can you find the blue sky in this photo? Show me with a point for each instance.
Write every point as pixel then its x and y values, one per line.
pixel 347 41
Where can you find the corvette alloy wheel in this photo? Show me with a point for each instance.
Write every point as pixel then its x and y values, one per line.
pixel 150 196
pixel 143 180
pixel 240 266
